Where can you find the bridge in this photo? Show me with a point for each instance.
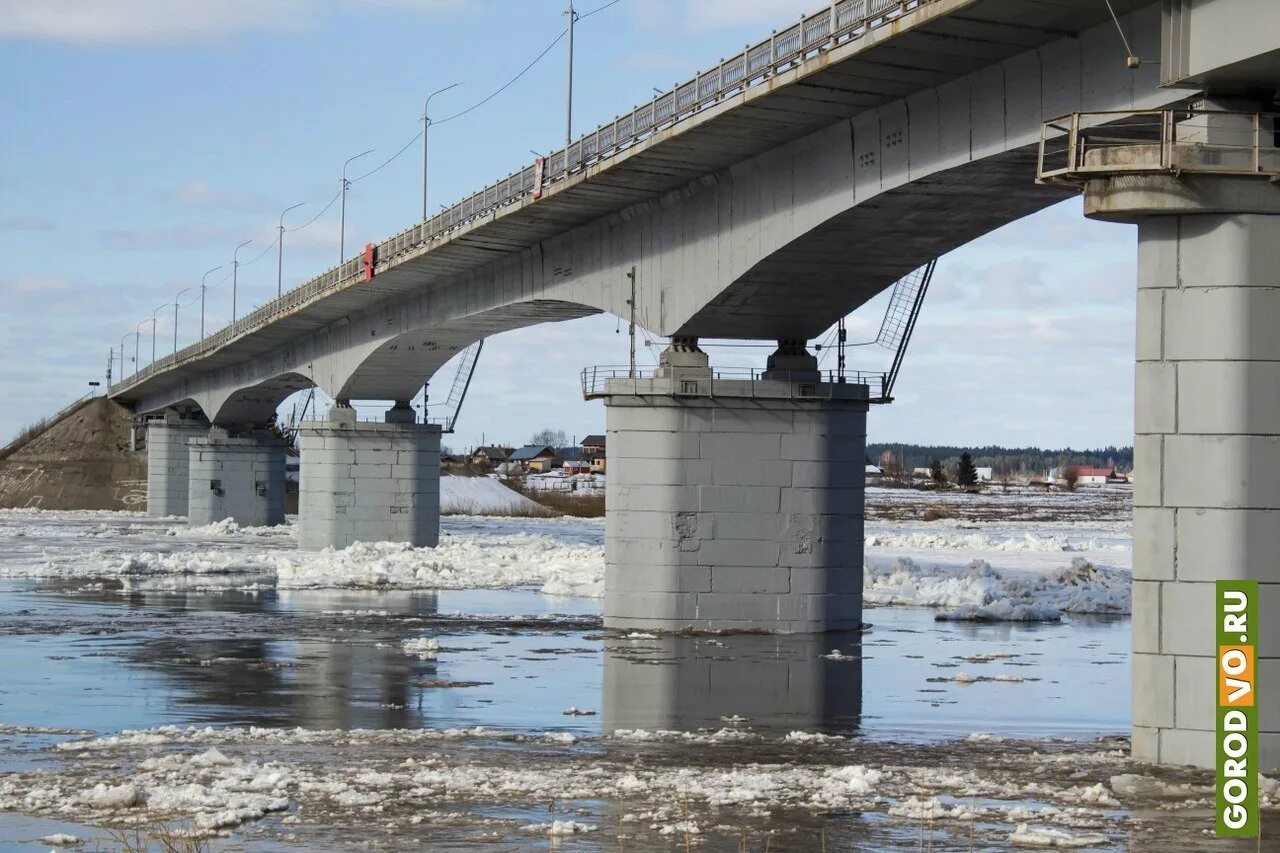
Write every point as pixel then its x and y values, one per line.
pixel 764 199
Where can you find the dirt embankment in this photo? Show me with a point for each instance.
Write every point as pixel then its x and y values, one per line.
pixel 80 461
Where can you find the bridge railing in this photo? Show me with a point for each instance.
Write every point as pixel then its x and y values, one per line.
pixel 837 24
pixel 751 382
pixel 1078 146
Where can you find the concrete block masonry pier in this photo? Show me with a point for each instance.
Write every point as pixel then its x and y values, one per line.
pixel 169 463
pixel 240 478
pixel 1207 445
pixel 369 482
pixel 734 504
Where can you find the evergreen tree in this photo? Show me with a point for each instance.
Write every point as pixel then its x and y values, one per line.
pixel 967 472
pixel 935 471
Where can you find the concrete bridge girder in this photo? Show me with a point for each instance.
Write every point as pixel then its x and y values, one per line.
pixel 777 246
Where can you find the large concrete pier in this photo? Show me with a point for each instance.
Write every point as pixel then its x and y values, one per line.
pixel 169 462
pixel 734 504
pixel 1207 444
pixel 369 482
pixel 238 478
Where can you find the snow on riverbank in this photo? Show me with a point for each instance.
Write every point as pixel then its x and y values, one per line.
pixel 980 593
pixel 483 496
pixel 1006 572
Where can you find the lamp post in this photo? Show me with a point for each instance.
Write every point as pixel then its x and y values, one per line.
pixel 137 336
pixel 342 208
pixel 203 278
pixel 568 126
pixel 123 338
pixel 280 250
pixel 175 318
pixel 235 266
pixel 426 130
pixel 153 329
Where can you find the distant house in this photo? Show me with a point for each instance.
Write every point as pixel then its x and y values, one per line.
pixel 984 474
pixel 922 473
pixel 492 456
pixel 536 457
pixel 1087 476
pixel 577 466
pixel 593 450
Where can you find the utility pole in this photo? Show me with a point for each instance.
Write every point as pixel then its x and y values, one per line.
pixel 204 278
pixel 342 209
pixel 280 250
pixel 123 338
pixel 153 330
pixel 235 268
pixel 137 336
pixel 426 130
pixel 568 128
pixel 175 317
pixel 632 328
pixel 842 335
pixel 111 356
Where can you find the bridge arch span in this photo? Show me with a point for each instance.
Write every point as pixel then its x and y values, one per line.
pixel 254 404
pixel 396 368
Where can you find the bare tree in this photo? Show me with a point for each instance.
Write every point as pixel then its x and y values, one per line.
pixel 550 438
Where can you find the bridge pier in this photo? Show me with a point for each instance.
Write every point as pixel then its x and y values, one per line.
pixel 734 503
pixel 1207 445
pixel 369 482
pixel 168 462
pixel 240 478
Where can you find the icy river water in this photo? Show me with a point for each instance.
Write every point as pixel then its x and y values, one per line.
pixel 212 686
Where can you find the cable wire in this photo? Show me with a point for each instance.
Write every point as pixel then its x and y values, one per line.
pixel 586 15
pixel 263 253
pixel 317 216
pixel 509 83
pixel 389 160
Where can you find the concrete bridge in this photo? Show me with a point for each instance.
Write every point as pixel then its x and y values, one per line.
pixel 764 199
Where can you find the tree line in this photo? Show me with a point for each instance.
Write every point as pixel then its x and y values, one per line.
pixel 1017 461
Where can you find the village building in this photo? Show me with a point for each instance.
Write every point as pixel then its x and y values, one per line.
pixel 537 458
pixel 489 456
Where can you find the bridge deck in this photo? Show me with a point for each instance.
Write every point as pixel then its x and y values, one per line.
pixel 849 57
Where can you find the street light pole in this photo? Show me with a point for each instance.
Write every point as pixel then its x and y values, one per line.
pixel 342 208
pixel 203 278
pixel 235 267
pixel 123 338
pixel 137 336
pixel 426 130
pixel 153 330
pixel 175 317
pixel 280 250
pixel 568 128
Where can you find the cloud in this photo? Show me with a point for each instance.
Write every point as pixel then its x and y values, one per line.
pixel 172 22
pixel 703 16
pixel 144 21
pixel 200 194
pixel 25 222
pixel 186 237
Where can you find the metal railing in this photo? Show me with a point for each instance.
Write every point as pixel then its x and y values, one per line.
pixel 731 382
pixel 838 24
pixel 1078 146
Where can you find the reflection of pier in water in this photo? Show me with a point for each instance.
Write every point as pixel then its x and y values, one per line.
pixel 314 671
pixel 775 682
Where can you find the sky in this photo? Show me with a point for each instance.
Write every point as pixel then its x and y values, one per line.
pixel 144 140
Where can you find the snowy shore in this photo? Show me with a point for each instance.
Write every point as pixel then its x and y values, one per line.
pixel 1027 571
